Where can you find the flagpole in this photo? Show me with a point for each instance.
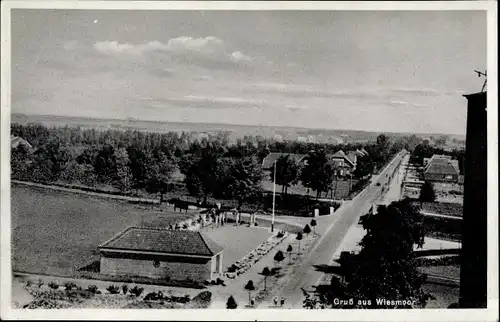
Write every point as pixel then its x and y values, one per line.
pixel 274 196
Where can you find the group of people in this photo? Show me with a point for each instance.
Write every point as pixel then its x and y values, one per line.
pixel 279 301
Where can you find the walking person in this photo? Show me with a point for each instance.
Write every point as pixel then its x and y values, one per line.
pixel 282 301
pixel 275 300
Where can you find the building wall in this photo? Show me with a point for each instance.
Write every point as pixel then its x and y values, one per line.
pixel 175 268
pixel 440 177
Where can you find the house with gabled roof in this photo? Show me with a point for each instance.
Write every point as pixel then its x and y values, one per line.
pixel 346 163
pixel 161 254
pixel 269 160
pixel 441 168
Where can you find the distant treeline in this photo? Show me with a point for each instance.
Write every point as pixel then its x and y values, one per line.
pixel 212 167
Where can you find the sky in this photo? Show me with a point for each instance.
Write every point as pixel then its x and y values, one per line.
pixel 391 71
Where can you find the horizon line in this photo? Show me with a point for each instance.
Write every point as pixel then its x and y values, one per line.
pixel 239 124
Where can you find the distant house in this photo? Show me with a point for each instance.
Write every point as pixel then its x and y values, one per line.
pixel 441 168
pixel 345 162
pixel 161 254
pixel 15 141
pixel 269 160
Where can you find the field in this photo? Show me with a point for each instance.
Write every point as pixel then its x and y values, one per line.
pixel 443 208
pixel 237 241
pixel 58 233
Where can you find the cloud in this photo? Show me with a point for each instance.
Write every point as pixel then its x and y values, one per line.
pixel 238 56
pixel 418 91
pixel 70 45
pixel 203 78
pixel 406 104
pixel 202 102
pixel 186 49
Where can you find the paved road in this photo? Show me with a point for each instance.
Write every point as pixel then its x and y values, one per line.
pixel 307 275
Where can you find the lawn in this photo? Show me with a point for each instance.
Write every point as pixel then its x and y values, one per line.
pixel 341 188
pixel 237 241
pixel 58 233
pixel 444 208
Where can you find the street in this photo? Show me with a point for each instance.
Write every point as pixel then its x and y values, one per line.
pixel 306 274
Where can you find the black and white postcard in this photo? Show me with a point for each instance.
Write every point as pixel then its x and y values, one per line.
pixel 249 160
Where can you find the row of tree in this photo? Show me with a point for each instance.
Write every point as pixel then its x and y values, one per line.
pixel 212 167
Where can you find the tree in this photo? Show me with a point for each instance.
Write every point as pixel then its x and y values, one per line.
pixel 307 230
pixel 105 164
pixel 231 303
pixel 287 172
pixel 289 251
pixel 20 160
pixel 318 173
pixel 427 193
pixel 279 257
pixel 299 238
pixel 313 224
pixel 266 272
pixel 250 287
pixel 139 163
pixel 123 176
pixel 49 160
pixel 244 181
pixel 158 174
pixel 386 266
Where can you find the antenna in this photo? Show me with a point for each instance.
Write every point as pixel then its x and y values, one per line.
pixel 479 74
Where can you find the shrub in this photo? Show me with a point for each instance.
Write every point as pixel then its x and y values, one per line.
pixel 202 300
pixel 233 268
pixel 113 289
pixel 124 289
pixel 137 291
pixel 153 296
pixel 53 285
pixel 231 303
pixel 93 289
pixel 70 286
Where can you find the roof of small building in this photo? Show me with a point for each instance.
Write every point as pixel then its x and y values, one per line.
pixel 163 241
pixel 350 157
pixel 440 164
pixel 16 140
pixel 268 161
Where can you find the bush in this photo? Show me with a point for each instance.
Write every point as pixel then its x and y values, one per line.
pixel 137 291
pixel 233 268
pixel 124 289
pixel 113 289
pixel 93 289
pixel 153 296
pixel 220 281
pixel 28 283
pixel 203 299
pixel 40 283
pixel 280 234
pixel 231 303
pixel 69 286
pixel 53 285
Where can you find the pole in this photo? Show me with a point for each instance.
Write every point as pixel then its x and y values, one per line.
pixel 274 196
